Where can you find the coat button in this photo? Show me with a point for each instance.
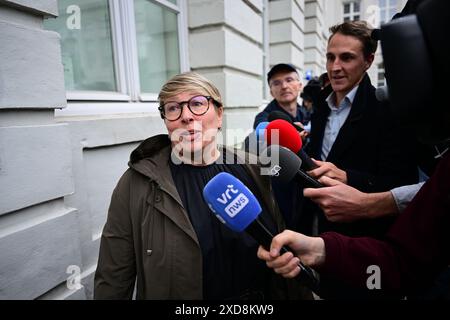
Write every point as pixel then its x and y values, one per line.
pixel 149 252
pixel 158 198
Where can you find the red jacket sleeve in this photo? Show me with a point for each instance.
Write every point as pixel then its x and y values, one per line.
pixel 415 249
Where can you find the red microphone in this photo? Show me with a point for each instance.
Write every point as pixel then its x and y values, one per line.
pixel 288 137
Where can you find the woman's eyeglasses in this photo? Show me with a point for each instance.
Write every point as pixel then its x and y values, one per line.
pixel 172 110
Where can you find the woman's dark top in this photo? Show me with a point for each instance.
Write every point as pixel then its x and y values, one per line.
pixel 231 269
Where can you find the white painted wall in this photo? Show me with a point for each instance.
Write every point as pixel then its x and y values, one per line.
pixel 39 236
pixel 225 45
pixel 287 28
pixel 56 173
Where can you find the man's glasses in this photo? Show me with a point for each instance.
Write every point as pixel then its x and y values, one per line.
pixel 198 105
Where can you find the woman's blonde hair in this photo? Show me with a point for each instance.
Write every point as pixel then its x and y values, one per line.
pixel 189 82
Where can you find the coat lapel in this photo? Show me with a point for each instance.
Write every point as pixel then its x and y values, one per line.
pixel 172 206
pixel 318 130
pixel 349 131
pixel 318 121
pixel 157 169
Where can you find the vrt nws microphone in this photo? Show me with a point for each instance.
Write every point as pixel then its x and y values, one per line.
pixel 382 93
pixel 260 130
pixel 236 207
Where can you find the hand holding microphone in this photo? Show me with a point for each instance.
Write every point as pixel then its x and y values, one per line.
pixel 287 137
pixel 236 206
pixel 328 169
pixel 342 203
pixel 280 115
pixel 311 250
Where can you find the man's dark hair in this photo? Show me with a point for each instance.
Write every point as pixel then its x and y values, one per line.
pixel 359 30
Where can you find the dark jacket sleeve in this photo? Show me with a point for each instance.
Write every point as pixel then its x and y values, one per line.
pixel 416 248
pixel 260 117
pixel 116 272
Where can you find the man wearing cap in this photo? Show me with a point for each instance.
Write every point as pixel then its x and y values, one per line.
pixel 285 87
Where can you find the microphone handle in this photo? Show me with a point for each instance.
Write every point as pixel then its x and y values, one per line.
pixel 299 129
pixel 307 163
pixel 264 237
pixel 313 183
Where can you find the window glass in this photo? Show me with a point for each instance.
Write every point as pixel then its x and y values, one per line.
pixel 157 41
pixel 347 8
pixel 86 44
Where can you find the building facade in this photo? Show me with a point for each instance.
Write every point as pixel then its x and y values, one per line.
pixel 78 91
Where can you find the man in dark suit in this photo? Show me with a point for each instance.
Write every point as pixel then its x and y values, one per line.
pixel 354 137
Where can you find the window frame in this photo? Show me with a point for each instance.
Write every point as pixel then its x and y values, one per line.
pixel 380 70
pixel 266 49
pixel 128 98
pixel 352 12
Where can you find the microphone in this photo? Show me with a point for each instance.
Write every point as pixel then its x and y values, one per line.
pixel 289 138
pixel 260 129
pixel 276 114
pixel 287 166
pixel 236 207
pixel 382 93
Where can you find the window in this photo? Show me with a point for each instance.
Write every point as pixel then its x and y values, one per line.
pixel 115 50
pixel 381 80
pixel 352 11
pixel 157 41
pixel 87 53
pixel 388 8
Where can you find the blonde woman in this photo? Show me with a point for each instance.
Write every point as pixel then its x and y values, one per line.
pixel 161 234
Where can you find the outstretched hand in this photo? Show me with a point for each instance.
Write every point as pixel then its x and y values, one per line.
pixel 328 169
pixel 309 250
pixel 339 202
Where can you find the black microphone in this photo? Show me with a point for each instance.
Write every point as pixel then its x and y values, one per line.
pixel 286 166
pixel 274 115
pixel 307 162
pixel 289 138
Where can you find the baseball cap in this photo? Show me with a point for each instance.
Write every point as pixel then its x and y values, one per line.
pixel 280 67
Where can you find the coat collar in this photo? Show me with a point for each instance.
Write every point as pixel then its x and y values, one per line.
pixel 275 106
pixel 151 158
